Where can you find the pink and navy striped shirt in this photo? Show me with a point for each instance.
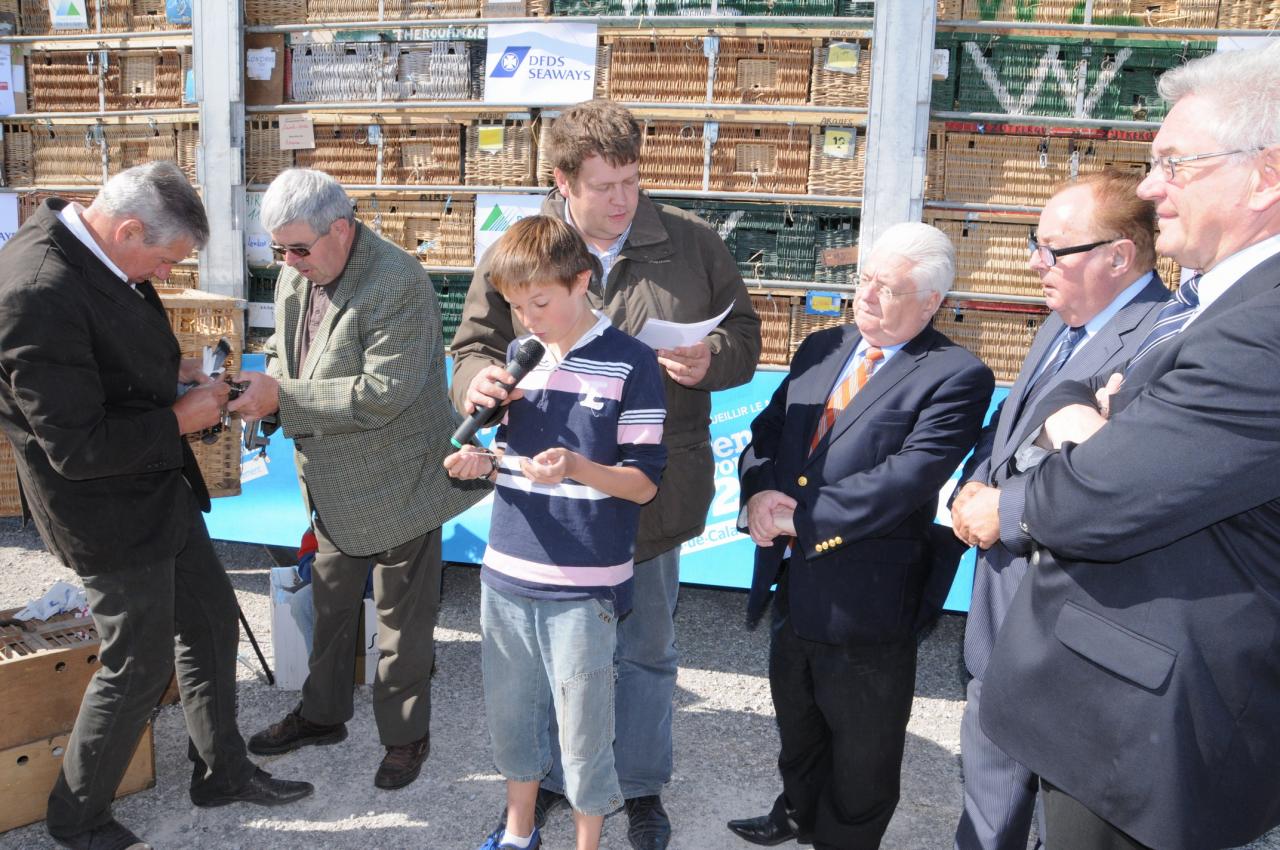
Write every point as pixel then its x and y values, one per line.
pixel 605 400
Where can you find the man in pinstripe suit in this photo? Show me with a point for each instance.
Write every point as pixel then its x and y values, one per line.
pixel 357 378
pixel 1094 252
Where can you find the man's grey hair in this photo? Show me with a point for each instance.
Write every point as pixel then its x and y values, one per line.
pixel 159 195
pixel 1243 88
pixel 931 253
pixel 303 194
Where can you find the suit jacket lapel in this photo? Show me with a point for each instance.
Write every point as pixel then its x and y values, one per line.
pixel 348 283
pixel 906 361
pixel 103 280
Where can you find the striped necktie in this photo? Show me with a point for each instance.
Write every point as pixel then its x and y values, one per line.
pixel 1065 349
pixel 844 393
pixel 1173 317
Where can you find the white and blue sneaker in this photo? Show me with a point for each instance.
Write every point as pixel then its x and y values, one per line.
pixel 495 842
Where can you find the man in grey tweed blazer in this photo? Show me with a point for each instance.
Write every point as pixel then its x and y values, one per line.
pixel 357 378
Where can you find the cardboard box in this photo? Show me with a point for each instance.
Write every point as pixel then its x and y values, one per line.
pixel 291 650
pixel 28 772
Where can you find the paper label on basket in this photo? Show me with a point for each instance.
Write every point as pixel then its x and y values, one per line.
pixel 839 143
pixel 823 303
pixel 659 333
pixel 259 62
pixel 297 132
pixel 68 14
pixel 844 56
pixel 7 104
pixel 262 315
pixel 843 256
pixel 254 467
pixel 8 216
pixel 941 64
pixel 491 139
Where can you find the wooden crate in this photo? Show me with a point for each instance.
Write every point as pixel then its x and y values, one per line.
pixel 935 162
pixel 774 311
pixel 19 164
pixel 144 79
pixel 999 334
pixel 391 10
pixel 342 71
pixel 1249 14
pixel 66 154
pixel 437 229
pixel 134 144
pixel 1042 11
pixel 835 175
pixel 148 15
pixel 991 256
pixel 28 773
pixel 422 153
pixel 439 70
pixel 263 159
pixel 675 66
pixel 345 152
pixel 10 495
pixel 63 80
pixel 760 158
pixel 272 12
pixel 804 323
pixel 1192 14
pixel 510 165
pixel 115 15
pixel 841 88
pixel 45 667
pixel 199 319
pixel 763 70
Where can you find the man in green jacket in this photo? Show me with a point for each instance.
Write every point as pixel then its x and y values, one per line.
pixel 357 379
pixel 657 262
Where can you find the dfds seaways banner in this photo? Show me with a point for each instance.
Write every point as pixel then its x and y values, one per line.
pixel 540 64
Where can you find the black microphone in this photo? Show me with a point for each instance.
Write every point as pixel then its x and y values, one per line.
pixel 528 355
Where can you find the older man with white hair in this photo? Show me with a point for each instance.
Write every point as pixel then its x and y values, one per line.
pixel 357 380
pixel 1137 672
pixel 839 492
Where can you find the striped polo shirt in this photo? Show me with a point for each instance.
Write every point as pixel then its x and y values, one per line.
pixel 568 541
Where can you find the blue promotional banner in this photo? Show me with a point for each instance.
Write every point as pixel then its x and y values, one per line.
pixel 270 511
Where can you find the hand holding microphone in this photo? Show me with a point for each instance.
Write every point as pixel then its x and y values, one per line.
pixel 527 356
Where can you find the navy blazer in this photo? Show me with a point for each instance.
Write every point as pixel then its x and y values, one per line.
pixel 867 495
pixel 1139 665
pixel 999 570
pixel 88 378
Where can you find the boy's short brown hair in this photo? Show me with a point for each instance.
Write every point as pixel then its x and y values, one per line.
pixel 535 249
pixel 596 128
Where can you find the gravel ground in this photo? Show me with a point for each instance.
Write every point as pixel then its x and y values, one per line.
pixel 725 738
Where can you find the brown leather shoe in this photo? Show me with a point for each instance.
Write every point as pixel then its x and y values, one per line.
pixel 293 732
pixel 402 763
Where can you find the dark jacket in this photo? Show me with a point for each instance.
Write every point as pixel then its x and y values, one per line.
pixel 867 549
pixel 1138 668
pixel 88 377
pixel 673 266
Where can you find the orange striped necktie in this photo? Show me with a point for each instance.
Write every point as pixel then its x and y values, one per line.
pixel 844 393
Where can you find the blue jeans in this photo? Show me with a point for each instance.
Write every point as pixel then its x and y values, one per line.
pixel 647 664
pixel 547 654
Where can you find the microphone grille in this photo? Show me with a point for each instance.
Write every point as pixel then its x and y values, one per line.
pixel 529 354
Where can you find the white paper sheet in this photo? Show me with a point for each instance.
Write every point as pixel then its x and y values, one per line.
pixel 659 333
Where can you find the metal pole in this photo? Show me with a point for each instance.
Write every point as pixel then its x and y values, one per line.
pixel 901 83
pixel 218 58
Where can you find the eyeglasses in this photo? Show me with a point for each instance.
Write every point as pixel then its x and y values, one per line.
pixel 1169 164
pixel 883 292
pixel 1049 256
pixel 299 251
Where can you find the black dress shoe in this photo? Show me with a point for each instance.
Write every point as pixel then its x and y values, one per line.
pixel 110 836
pixel 292 732
pixel 648 828
pixel 766 830
pixel 402 764
pixel 261 790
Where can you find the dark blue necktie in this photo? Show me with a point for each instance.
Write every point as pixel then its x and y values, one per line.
pixel 1065 350
pixel 1173 317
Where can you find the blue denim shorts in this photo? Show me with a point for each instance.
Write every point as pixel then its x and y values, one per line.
pixel 539 652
